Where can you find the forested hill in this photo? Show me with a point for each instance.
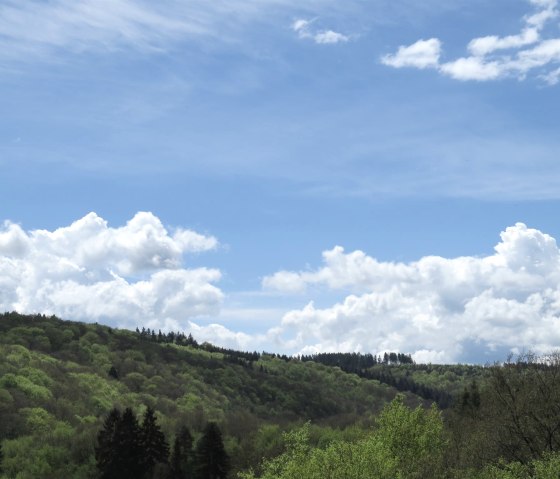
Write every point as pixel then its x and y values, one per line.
pixel 438 383
pixel 59 380
pixel 86 401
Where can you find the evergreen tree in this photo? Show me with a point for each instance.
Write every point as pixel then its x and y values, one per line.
pixel 128 447
pixel 119 452
pixel 152 441
pixel 113 372
pixel 181 460
pixel 105 450
pixel 212 461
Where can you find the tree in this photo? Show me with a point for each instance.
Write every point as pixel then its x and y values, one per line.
pixel 523 406
pixel 129 460
pixel 407 444
pixel 105 453
pixel 113 372
pixel 119 453
pixel 411 439
pixel 212 461
pixel 152 441
pixel 470 401
pixel 181 460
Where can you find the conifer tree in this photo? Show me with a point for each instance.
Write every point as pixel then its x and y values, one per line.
pixel 105 451
pixel 119 452
pixel 212 461
pixel 152 441
pixel 181 460
pixel 128 447
pixel 113 372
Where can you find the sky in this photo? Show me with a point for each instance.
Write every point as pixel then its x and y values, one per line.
pixel 293 177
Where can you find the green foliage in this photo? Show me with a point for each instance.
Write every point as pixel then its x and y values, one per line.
pixel 547 467
pixel 25 385
pixel 407 444
pixel 413 439
pixel 44 452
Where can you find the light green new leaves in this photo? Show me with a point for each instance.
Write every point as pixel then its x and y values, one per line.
pixel 407 444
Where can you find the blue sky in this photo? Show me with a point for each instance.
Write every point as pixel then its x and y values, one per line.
pixel 272 132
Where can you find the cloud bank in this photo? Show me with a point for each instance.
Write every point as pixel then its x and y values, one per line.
pixel 439 309
pixel 126 276
pixel 493 57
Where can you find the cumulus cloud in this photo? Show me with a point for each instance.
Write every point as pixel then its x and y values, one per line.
pixel 127 276
pixel 304 30
pixel 492 57
pixel 422 54
pixel 435 308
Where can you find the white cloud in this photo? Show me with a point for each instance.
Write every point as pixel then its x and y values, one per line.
pixel 329 36
pixel 301 27
pixel 341 270
pixel 89 271
pixel 485 45
pixel 435 307
pixel 547 12
pixel 491 57
pixel 304 31
pixel 285 281
pixel 422 54
pixel 473 68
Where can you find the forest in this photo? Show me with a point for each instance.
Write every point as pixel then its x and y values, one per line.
pixel 84 400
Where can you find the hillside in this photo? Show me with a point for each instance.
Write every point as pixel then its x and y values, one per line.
pixel 64 386
pixel 59 379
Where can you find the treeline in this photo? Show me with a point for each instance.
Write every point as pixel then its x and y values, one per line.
pixel 172 337
pixel 441 397
pixel 380 368
pixel 353 362
pixel 243 358
pixel 361 364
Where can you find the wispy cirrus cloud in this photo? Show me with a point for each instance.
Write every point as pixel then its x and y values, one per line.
pixel 492 57
pixel 50 27
pixel 36 29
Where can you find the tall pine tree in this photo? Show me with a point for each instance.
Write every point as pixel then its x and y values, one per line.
pixel 129 461
pixel 152 441
pixel 119 453
pixel 212 461
pixel 181 460
pixel 105 453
